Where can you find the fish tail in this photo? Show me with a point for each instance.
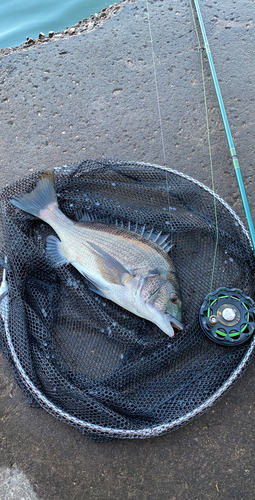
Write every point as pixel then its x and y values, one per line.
pixel 41 199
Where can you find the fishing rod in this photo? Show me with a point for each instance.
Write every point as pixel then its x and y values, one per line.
pixel 231 145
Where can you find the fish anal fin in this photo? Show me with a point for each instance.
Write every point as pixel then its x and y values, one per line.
pixel 55 251
pixel 110 268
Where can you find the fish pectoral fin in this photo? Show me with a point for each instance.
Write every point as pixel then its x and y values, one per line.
pixel 110 268
pixel 92 283
pixel 95 288
pixel 54 250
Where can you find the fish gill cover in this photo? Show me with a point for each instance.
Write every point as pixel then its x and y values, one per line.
pixel 92 363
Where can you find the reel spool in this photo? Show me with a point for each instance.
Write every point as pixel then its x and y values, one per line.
pixel 227 316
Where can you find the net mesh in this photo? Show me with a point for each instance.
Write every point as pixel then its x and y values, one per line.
pixel 84 358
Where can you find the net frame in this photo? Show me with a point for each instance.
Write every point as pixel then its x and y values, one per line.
pixel 102 433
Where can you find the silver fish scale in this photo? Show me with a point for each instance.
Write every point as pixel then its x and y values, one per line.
pixel 133 252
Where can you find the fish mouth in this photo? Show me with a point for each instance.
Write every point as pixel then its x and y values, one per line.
pixel 175 324
pixel 170 325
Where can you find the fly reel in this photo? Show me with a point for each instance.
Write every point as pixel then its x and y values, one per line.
pixel 227 316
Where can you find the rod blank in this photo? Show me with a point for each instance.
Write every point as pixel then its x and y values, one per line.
pixel 231 146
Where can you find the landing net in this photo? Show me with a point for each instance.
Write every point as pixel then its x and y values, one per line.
pixel 86 360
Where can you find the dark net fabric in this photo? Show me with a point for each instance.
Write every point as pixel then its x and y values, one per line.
pixel 95 363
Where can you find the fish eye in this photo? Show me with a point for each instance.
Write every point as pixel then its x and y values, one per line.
pixel 174 298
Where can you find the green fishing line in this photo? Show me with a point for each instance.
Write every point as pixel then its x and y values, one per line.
pixel 209 147
pixel 231 146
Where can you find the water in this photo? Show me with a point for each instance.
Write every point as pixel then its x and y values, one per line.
pixel 19 18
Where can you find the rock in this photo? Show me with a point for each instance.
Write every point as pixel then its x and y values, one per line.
pixel 51 34
pixel 30 40
pixel 41 35
pixel 114 6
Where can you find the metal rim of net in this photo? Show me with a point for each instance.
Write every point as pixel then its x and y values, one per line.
pixel 158 429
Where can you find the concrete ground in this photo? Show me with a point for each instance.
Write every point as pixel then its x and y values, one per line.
pixel 89 92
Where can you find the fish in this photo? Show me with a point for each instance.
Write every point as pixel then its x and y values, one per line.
pixel 119 264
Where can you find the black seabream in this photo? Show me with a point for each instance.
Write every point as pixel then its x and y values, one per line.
pixel 119 264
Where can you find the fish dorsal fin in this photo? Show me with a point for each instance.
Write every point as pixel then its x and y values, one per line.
pixel 110 268
pixel 82 216
pixel 149 233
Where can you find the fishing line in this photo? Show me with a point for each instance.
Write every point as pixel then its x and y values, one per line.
pixel 156 84
pixel 207 126
pixel 230 141
pixel 158 100
pixel 201 49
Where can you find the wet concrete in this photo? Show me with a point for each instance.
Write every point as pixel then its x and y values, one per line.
pixel 92 95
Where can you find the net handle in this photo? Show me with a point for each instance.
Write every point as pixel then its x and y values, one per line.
pixel 231 145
